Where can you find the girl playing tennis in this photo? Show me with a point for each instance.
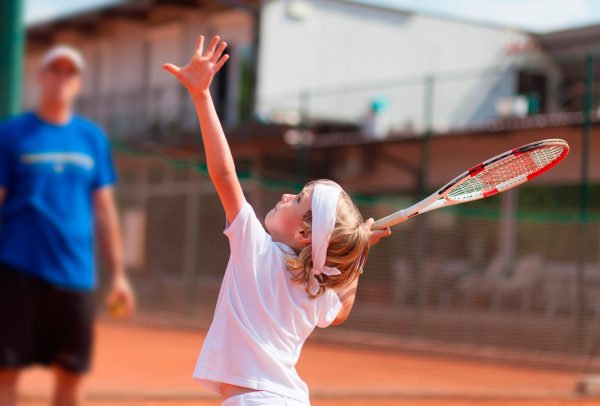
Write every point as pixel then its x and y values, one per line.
pixel 280 283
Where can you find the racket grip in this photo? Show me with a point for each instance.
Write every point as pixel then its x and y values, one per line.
pixel 389 221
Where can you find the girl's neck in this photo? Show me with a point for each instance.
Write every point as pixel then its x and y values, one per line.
pixel 291 242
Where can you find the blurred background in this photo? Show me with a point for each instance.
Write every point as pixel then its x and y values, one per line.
pixel 489 301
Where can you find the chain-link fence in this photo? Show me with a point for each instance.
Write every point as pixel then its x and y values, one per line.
pixel 495 278
pixel 466 277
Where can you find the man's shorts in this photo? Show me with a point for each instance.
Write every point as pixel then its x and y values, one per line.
pixel 42 324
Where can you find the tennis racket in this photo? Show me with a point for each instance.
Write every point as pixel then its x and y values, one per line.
pixel 486 179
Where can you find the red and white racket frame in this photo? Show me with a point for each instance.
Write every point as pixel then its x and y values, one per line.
pixel 441 199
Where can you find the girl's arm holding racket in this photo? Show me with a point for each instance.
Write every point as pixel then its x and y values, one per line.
pixel 196 76
pixel 348 294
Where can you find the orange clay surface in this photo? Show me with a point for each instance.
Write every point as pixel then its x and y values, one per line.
pixel 356 402
pixel 142 366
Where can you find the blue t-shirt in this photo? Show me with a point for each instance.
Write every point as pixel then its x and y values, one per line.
pixel 49 172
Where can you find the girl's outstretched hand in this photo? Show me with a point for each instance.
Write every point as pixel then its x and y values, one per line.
pixel 376 235
pixel 197 75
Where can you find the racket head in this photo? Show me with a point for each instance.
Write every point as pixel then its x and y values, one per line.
pixel 505 171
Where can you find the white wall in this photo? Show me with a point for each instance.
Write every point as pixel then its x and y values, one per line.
pixel 338 44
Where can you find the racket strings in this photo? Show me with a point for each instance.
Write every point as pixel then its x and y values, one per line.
pixel 506 173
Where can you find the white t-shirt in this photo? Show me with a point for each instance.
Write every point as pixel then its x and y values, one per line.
pixel 262 317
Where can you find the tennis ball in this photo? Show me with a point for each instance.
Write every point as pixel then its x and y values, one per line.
pixel 117 309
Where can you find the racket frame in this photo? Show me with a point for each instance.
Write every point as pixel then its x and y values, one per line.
pixel 440 198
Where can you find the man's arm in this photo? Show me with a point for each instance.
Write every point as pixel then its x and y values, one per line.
pixel 196 76
pixel 108 232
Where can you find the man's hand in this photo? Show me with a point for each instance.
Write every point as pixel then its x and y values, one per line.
pixel 197 75
pixel 378 234
pixel 121 300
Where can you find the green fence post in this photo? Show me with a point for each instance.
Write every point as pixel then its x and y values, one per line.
pixel 422 236
pixel 303 149
pixel 12 39
pixel 588 102
pixel 427 131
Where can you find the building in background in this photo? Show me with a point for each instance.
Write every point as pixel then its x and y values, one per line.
pixel 338 56
pixel 293 61
pixel 125 45
pixel 310 76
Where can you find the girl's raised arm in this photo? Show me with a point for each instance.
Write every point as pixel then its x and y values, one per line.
pixel 196 76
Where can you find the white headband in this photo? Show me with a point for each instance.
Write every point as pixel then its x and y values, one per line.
pixel 324 211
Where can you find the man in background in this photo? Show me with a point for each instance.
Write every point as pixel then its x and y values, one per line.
pixel 56 195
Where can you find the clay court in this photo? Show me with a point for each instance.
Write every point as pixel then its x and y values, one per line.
pixel 144 365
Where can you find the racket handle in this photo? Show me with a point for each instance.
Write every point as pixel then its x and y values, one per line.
pixel 431 203
pixel 391 220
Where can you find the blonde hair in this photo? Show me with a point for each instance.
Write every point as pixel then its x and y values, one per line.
pixel 348 247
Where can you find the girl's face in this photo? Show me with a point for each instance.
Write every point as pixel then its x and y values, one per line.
pixel 284 221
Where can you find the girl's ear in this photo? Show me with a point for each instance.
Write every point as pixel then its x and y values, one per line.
pixel 300 236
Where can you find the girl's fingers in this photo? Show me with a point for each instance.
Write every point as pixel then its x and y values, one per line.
pixel 200 44
pixel 380 233
pixel 222 61
pixel 377 235
pixel 385 232
pixel 175 70
pixel 219 51
pixel 212 46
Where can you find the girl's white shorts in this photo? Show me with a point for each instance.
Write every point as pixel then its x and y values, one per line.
pixel 262 398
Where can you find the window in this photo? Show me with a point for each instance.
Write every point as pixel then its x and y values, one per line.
pixel 533 85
